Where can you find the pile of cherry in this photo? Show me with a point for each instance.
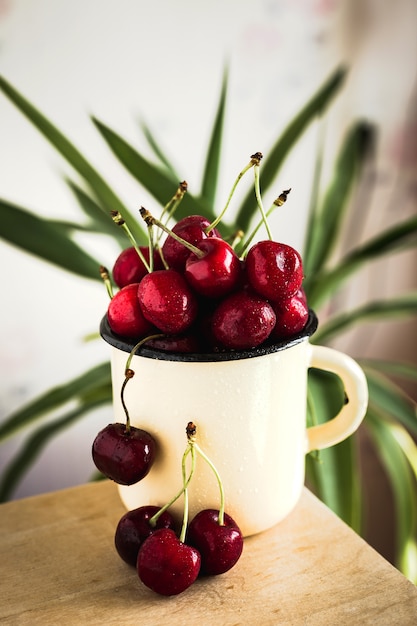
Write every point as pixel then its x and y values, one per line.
pixel 191 292
pixel 202 296
pixel 167 561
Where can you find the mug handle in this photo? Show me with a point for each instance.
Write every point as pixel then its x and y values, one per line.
pixel 351 414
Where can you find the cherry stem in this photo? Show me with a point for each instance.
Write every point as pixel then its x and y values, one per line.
pixel 259 201
pixel 118 219
pixel 149 219
pixel 154 518
pixel 277 202
pixel 129 373
pixel 253 160
pixel 104 273
pixel 218 478
pixel 176 199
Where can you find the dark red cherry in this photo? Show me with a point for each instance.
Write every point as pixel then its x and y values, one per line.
pixel 243 320
pixel 134 527
pixel 191 229
pixel 292 316
pixel 167 565
pixel 186 343
pixel 167 301
pixel 125 315
pixel 129 267
pixel 217 272
pixel 123 456
pixel 274 269
pixel 220 546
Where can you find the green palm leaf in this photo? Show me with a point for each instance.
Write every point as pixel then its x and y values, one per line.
pixel 333 473
pixel 159 152
pixel 37 441
pixel 103 192
pixel 97 377
pixel 279 151
pixel 45 239
pixel 159 184
pixel 388 398
pixel 398 454
pixel 320 285
pixel 378 311
pixel 211 169
pixel 325 227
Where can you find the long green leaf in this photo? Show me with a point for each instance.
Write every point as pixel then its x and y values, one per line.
pixel 390 399
pixel 333 473
pixel 323 284
pixel 157 150
pixel 406 371
pixel 98 221
pixel 45 239
pixel 324 231
pixel 54 398
pixel 161 186
pixel 211 169
pixel 280 150
pixel 399 470
pixel 37 441
pixel 379 310
pixel 104 193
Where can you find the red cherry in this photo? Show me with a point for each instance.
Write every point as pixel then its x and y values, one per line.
pixel 176 343
pixel 129 268
pixel 220 546
pixel 191 229
pixel 292 316
pixel 134 527
pixel 123 456
pixel 274 269
pixel 124 314
pixel 243 320
pixel 167 301
pixel 217 272
pixel 167 565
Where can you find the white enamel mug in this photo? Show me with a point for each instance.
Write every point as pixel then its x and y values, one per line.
pixel 250 412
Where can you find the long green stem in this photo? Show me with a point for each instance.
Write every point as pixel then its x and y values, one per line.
pixel 118 219
pixel 219 480
pixel 149 219
pixel 241 250
pixel 166 506
pixel 259 200
pixel 129 373
pixel 219 218
pixel 105 276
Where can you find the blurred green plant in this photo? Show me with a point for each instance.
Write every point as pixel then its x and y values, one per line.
pixel 334 474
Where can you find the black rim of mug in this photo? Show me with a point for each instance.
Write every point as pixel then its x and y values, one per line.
pixel 127 345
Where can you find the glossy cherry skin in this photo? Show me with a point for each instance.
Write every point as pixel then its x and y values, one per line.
pixel 216 273
pixel 220 546
pixel 274 270
pixel 292 316
pixel 167 301
pixel 125 457
pixel 125 315
pixel 242 321
pixel 166 565
pixel 191 229
pixel 134 527
pixel 187 343
pixel 129 268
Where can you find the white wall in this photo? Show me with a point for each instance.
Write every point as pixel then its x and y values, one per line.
pixel 163 61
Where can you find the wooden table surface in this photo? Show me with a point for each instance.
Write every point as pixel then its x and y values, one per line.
pixel 59 567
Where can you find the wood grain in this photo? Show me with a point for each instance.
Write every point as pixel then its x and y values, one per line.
pixel 59 566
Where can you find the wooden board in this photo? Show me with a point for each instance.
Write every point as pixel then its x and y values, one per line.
pixel 59 566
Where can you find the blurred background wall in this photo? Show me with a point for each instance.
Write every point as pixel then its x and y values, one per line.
pixel 162 61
